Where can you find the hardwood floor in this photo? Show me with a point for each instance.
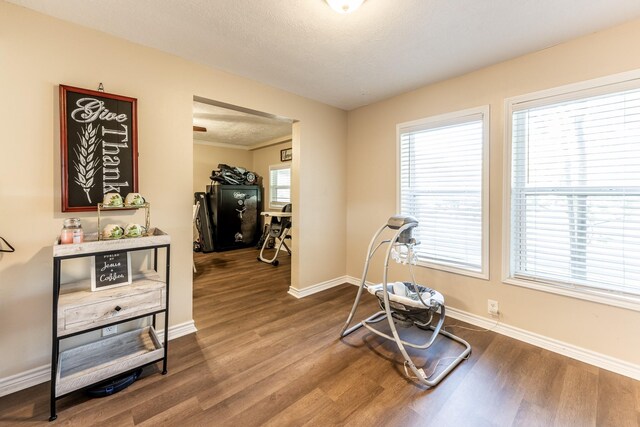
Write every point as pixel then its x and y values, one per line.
pixel 263 357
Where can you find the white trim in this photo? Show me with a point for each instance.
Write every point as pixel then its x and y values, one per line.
pixel 486 189
pixel 506 192
pixel 578 353
pixel 280 166
pixel 621 81
pixel 314 289
pixel 398 168
pixel 179 330
pixel 598 84
pixel 353 280
pixel 25 379
pixel 594 295
pixel 42 374
pixel 456 270
pixel 450 118
pixel 482 113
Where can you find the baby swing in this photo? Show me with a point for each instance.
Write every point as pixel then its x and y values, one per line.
pixel 277 229
pixel 404 302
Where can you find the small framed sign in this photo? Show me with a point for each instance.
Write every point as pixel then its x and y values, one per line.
pixel 99 147
pixel 110 270
pixel 286 154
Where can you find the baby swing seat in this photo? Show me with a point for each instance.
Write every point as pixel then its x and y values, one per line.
pixel 404 299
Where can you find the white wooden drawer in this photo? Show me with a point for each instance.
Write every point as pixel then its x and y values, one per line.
pixel 78 311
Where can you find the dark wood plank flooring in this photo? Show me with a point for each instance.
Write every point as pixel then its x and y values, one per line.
pixel 263 357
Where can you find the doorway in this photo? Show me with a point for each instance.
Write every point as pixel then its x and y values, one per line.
pixel 247 140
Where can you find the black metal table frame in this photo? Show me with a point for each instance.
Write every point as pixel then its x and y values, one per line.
pixel 55 339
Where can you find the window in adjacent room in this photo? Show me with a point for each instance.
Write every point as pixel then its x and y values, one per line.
pixel 444 184
pixel 575 191
pixel 279 185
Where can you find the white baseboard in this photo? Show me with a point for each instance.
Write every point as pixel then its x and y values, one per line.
pixel 179 330
pixel 301 293
pixel 578 353
pixel 25 379
pixel 353 280
pixel 42 373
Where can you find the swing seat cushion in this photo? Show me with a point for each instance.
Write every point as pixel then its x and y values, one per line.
pixel 405 293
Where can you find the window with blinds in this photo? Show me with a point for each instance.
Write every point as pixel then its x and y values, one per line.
pixel 575 190
pixel 443 180
pixel 279 185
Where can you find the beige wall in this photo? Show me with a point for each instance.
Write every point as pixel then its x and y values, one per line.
pixel 207 157
pixel 37 53
pixel 371 183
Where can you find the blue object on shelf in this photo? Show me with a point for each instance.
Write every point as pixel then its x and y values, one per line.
pixel 110 387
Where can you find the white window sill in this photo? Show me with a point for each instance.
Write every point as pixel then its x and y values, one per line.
pixel 455 270
pixel 277 206
pixel 629 302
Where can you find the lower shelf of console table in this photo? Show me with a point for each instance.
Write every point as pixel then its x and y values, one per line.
pixel 91 363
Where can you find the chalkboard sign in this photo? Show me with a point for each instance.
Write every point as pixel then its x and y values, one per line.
pixel 110 270
pixel 99 147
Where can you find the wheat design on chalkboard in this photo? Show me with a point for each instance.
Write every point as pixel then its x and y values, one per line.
pixel 86 164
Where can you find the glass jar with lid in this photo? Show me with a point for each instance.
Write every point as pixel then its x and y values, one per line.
pixel 71 231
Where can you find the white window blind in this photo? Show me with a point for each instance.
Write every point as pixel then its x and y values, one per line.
pixel 279 185
pixel 442 182
pixel 575 191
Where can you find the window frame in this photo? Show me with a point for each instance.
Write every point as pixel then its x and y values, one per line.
pixel 443 120
pixel 275 204
pixel 575 91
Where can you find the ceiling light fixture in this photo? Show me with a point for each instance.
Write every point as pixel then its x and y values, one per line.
pixel 344 6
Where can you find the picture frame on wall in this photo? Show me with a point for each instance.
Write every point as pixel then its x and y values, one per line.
pixel 286 155
pixel 109 270
pixel 98 147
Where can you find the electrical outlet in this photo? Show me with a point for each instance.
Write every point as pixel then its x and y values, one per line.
pixel 492 307
pixel 109 330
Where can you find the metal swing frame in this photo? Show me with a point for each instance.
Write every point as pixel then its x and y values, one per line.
pixel 402 227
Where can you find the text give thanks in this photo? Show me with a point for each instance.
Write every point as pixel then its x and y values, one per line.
pixel 98 147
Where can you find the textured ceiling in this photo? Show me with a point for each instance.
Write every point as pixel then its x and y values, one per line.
pixel 227 126
pixel 385 48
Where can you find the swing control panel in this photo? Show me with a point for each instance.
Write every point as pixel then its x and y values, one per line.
pixel 398 221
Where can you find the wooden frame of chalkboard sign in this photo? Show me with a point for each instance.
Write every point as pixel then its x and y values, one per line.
pixel 99 147
pixel 110 270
